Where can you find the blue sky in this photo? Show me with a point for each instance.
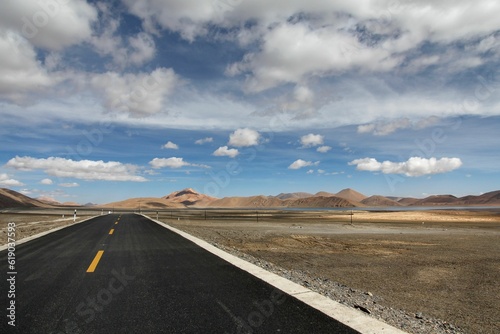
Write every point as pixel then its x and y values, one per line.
pixel 103 101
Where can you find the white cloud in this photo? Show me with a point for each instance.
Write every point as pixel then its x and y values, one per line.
pixel 292 53
pixel 415 166
pixel 225 151
pixel 204 140
pixel 188 17
pixel 171 146
pixel 244 137
pixel 143 48
pixel 134 50
pixel 323 149
pixel 69 185
pixel 172 162
pixel 83 169
pixel 311 140
pixel 6 181
pixel 297 164
pixel 49 24
pixel 26 192
pixel 46 181
pixel 21 74
pixel 384 128
pixel 138 95
pixel 328 42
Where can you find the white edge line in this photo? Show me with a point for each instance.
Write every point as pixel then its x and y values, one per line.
pixel 41 234
pixel 346 315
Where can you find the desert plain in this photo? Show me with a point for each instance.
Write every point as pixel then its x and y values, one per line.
pixel 427 265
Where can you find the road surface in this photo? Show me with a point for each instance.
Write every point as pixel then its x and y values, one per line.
pixel 127 274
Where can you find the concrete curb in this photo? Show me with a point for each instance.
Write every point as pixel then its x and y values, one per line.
pixel 41 234
pixel 346 315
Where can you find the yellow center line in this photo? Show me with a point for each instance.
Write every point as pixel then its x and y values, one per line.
pixel 116 223
pixel 95 261
pixel 111 231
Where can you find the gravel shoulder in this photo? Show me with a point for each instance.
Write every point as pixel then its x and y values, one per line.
pixel 423 272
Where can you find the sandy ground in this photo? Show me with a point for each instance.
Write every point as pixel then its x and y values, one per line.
pixel 28 224
pixel 442 264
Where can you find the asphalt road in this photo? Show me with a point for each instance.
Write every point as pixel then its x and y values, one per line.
pixel 126 274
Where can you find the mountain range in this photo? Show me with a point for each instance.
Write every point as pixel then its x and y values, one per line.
pixel 346 198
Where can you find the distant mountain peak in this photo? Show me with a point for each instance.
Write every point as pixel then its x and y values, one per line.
pixel 187 191
pixel 351 194
pixel 188 197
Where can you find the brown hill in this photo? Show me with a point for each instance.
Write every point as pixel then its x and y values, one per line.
pixel 48 200
pixel 324 194
pixel 321 202
pixel 408 200
pixel 144 203
pixel 13 199
pixel 284 196
pixel 437 200
pixel 377 200
pixel 189 197
pixel 490 198
pixel 351 195
pixel 248 202
pixel 274 202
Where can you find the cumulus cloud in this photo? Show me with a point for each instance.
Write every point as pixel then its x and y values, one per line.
pixel 21 74
pixel 413 167
pixel 69 185
pixel 311 140
pixel 224 151
pixel 204 140
pixel 107 41
pixel 46 181
pixel 6 181
pixel 244 137
pixel 292 53
pixel 49 24
pixel 188 17
pixel 138 95
pixel 142 48
pixel 172 162
pixel 384 128
pixel 83 169
pixel 297 164
pixel 323 149
pixel 329 41
pixel 171 146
